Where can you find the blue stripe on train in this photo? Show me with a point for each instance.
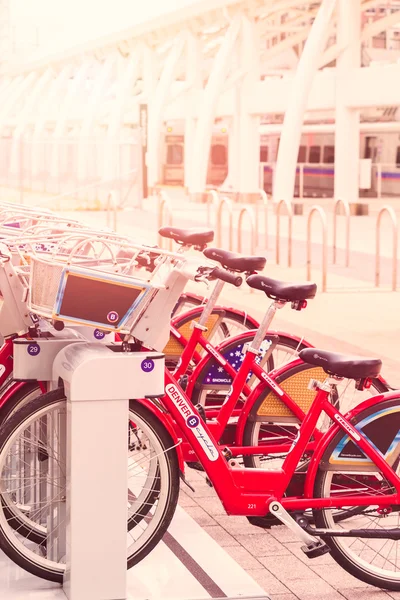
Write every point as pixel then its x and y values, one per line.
pixel 330 172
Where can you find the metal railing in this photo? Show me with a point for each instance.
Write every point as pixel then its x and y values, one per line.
pixel 228 204
pixel 251 218
pixel 214 200
pixel 389 210
pixel 346 208
pixel 164 205
pixel 318 210
pixel 278 230
pixel 264 199
pixel 111 206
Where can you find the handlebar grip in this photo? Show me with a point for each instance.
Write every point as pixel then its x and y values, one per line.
pixel 228 277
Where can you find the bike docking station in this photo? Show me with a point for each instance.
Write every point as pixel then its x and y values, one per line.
pixel 98 391
pixel 89 525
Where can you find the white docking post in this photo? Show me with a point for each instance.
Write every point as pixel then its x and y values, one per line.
pixel 98 389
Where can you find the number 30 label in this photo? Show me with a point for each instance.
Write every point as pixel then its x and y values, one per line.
pixel 147 365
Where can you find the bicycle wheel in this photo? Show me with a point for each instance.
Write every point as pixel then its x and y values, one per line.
pixel 20 397
pixel 30 451
pixel 213 383
pixel 15 511
pixel 270 421
pixel 344 469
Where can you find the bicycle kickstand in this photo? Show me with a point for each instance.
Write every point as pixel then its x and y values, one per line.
pixel 313 547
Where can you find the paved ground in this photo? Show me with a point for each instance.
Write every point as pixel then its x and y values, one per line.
pixel 353 317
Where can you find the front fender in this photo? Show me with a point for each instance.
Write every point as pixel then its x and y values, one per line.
pixel 167 422
pixel 330 434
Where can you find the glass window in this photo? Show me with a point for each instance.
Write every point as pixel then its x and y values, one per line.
pixel 315 154
pixel 398 157
pixel 174 154
pixel 329 154
pixel 264 152
pixel 302 157
pixel 218 154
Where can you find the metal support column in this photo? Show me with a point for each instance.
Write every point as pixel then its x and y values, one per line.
pixel 347 136
pixel 211 94
pixel 249 125
pixel 285 174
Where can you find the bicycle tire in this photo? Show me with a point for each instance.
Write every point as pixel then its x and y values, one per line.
pixel 382 418
pixel 26 559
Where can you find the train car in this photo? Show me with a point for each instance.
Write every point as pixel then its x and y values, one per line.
pixel 316 157
pixel 173 155
pixel 316 160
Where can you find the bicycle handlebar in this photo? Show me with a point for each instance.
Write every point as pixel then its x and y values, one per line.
pixel 227 276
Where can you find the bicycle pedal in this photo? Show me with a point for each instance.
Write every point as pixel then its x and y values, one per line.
pixel 201 411
pixel 317 548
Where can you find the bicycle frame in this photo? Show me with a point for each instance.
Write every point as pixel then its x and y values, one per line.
pixel 249 492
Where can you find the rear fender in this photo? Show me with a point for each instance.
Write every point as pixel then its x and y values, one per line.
pixel 169 425
pixel 330 434
pixel 299 340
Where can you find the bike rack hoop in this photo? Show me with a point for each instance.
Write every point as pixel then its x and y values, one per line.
pixel 264 199
pixel 224 201
pixel 164 205
pixel 346 208
pixel 246 210
pixel 112 205
pixel 289 211
pixel 212 199
pixel 322 215
pixel 389 210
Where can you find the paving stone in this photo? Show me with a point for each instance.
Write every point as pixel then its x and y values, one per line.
pixel 282 597
pixel 201 490
pixel 221 536
pixel 370 593
pixel 243 557
pixel 268 582
pixel 283 534
pixel 262 545
pixel 238 525
pixel 313 589
pixel 184 500
pixel 213 506
pixel 200 516
pixel 295 548
pixel 338 577
pixel 288 568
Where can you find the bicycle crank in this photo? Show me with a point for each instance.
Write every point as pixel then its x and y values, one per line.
pixel 313 547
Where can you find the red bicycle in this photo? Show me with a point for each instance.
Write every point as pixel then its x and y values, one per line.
pixel 353 470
